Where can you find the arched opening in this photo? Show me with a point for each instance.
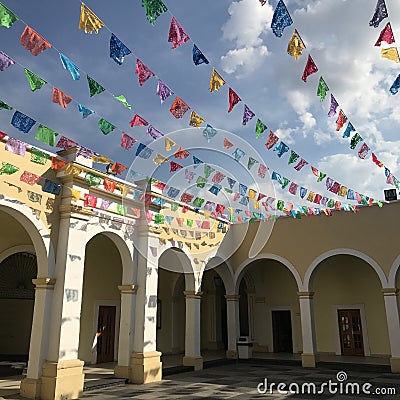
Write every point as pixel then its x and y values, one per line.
pixel 214 331
pixel 171 306
pixel 269 307
pixel 101 301
pixel 17 298
pixel 349 310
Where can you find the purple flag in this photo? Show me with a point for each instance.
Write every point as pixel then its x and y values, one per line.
pixel 85 152
pixel 247 115
pixel 153 132
pixel 5 61
pixel 334 106
pixel 163 91
pixel 65 143
pixel 379 14
pixel 16 146
pixel 105 204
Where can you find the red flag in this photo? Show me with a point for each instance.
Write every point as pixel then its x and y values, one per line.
pixel 29 178
pixel 127 141
pixel 177 35
pixel 33 42
pixel 61 98
pixel 109 185
pixel 118 168
pixel 90 200
pixel 376 161
pixel 179 107
pixel 187 197
pixel 174 166
pixel 341 120
pixel 56 163
pixel 227 144
pixel 272 140
pixel 386 35
pixel 233 99
pixel 137 120
pixel 310 68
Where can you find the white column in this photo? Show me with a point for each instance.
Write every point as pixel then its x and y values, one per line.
pixel 232 311
pixel 308 357
pixel 126 330
pixel 145 360
pixel 192 332
pixel 393 323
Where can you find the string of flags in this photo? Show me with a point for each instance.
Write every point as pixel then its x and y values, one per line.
pixel 281 19
pixel 216 82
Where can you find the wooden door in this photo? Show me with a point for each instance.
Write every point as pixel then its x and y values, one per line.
pixel 282 331
pixel 350 331
pixel 106 334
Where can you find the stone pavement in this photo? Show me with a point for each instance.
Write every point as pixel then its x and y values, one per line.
pixel 239 380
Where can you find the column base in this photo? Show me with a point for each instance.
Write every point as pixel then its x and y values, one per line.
pixel 395 365
pixel 232 354
pixel 309 360
pixel 122 371
pixel 62 380
pixel 196 362
pixel 145 367
pixel 30 388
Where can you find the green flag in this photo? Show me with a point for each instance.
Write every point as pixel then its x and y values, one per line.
pixel 105 126
pixel 208 170
pixel 154 8
pixel 260 128
pixel 4 106
pixel 46 135
pixel 201 182
pixel 285 182
pixel 355 140
pixel 122 210
pixel 159 219
pixel 35 81
pixel 189 222
pixel 123 101
pixel 39 157
pixel 322 89
pixel 251 162
pixel 174 206
pixel 198 202
pixel 280 205
pixel 92 179
pixel 7 18
pixel 293 157
pixel 331 203
pixel 94 87
pixel 8 169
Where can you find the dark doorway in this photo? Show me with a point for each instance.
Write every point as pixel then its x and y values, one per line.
pixel 106 334
pixel 243 309
pixel 350 331
pixel 282 331
pixel 221 306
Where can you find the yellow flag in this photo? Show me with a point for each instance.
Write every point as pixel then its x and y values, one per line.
pixel 72 169
pixel 101 159
pixel 252 194
pixel 76 194
pixel 256 204
pixel 123 189
pixel 207 214
pixel 230 209
pixel 295 45
pixel 195 119
pixel 342 191
pixel 216 80
pixel 391 54
pixel 159 159
pixel 89 21
pixel 169 143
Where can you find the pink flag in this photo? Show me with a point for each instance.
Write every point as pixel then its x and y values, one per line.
pixel 127 141
pixel 233 99
pixel 137 120
pixel 386 35
pixel 143 71
pixel 177 35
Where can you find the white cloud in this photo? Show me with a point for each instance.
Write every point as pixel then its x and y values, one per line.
pixel 248 21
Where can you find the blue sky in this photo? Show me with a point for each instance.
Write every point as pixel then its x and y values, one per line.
pixel 236 37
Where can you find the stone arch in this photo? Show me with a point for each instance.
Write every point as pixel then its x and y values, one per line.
pixel 308 277
pixel 394 270
pixel 224 270
pixel 240 272
pixel 38 234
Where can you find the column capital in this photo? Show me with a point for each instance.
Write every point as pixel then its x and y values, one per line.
pixel 191 294
pixel 131 289
pixel 44 283
pixel 232 297
pixel 390 291
pixel 305 295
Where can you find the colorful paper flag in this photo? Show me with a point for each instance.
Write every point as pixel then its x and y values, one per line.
pixel 35 82
pixel 209 132
pixel 46 135
pixel 216 81
pixel 105 126
pixel 281 19
pixel 85 111
pixel 198 56
pixel 233 99
pixel 127 141
pixel 118 50
pixel 391 54
pixel 121 98
pixel 309 69
pixel 179 108
pixel 33 42
pixel 334 105
pixel 143 72
pixel 70 66
pixel 386 35
pixel 195 119
pixel 7 17
pixel 94 87
pixel 89 22
pixel 22 122
pixel 61 98
pixel 295 45
pixel 395 86
pixel 379 14
pixel 260 128
pixel 5 61
pixel 163 91
pixel 154 8
pixel 247 115
pixel 177 35
pixel 153 132
pixel 272 140
pixel 322 89
pixel 341 120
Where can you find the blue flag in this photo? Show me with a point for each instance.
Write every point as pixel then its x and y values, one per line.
pixel 350 128
pixel 281 148
pixel 198 56
pixel 209 132
pixel 84 110
pixel 197 161
pixel 70 66
pixel 395 86
pixel 51 187
pixel 22 122
pixel 118 50
pixel 281 19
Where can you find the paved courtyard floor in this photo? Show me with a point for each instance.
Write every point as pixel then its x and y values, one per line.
pixel 240 380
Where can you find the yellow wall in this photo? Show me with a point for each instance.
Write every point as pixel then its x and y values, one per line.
pixel 103 274
pixel 347 280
